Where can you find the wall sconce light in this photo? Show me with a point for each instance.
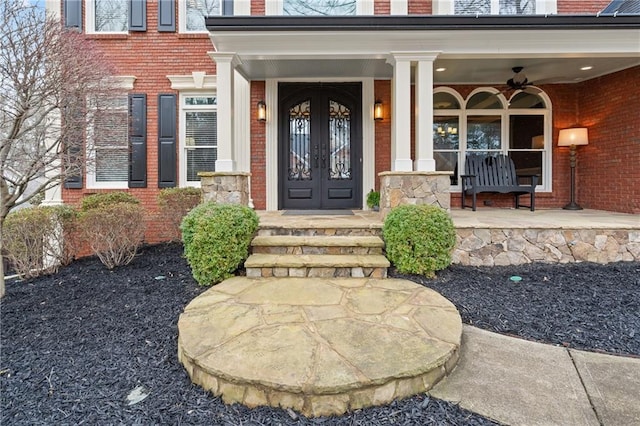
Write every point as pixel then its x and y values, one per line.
pixel 262 111
pixel 572 138
pixel 377 110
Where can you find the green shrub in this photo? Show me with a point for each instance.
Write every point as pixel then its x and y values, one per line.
pixel 94 201
pixel 113 231
pixel 373 199
pixel 216 239
pixel 419 239
pixel 35 239
pixel 174 204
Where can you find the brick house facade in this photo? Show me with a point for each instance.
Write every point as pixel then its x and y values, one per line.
pixel 196 118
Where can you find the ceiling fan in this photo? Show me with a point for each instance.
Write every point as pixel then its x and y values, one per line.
pixel 519 81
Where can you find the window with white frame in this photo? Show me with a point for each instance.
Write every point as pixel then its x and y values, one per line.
pixel 494 7
pixel 319 7
pixel 107 16
pixel 108 144
pixel 487 124
pixel 198 136
pixel 446 133
pixel 193 12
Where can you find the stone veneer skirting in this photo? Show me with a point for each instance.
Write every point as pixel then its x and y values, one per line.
pixel 489 247
pixel 397 188
pixel 225 187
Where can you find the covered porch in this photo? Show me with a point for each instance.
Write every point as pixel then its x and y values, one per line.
pixel 397 60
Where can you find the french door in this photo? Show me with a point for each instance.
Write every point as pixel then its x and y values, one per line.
pixel 320 145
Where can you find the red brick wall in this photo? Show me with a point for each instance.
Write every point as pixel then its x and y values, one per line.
pixel 382 7
pixel 581 7
pixel 151 56
pixel 608 169
pixel 382 89
pixel 258 149
pixel 419 7
pixel 257 7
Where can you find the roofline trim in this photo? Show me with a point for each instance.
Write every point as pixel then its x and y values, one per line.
pixel 421 23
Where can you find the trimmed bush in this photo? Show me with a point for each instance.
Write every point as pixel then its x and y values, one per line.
pixel 174 204
pixel 419 239
pixel 34 239
pixel 114 232
pixel 216 239
pixel 94 201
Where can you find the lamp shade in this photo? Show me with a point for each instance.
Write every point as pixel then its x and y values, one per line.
pixel 575 136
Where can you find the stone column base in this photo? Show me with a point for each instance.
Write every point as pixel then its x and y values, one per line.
pixel 225 187
pixel 397 188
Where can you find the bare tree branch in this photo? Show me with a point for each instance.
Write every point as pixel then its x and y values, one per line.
pixel 48 79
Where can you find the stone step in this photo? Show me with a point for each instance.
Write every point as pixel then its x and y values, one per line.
pixel 364 341
pixel 316 265
pixel 334 245
pixel 320 230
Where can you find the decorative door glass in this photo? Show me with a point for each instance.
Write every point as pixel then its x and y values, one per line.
pixel 339 141
pixel 300 155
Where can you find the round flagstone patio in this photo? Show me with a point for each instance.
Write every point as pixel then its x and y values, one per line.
pixel 318 346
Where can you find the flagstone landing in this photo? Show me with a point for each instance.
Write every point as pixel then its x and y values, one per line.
pixel 319 346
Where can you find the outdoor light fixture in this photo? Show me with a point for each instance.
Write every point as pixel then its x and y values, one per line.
pixel 572 138
pixel 377 110
pixel 262 111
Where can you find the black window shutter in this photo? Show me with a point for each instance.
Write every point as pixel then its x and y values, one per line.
pixel 227 7
pixel 72 10
pixel 167 140
pixel 137 15
pixel 137 141
pixel 166 16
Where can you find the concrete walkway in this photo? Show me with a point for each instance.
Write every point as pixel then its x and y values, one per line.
pixel 518 382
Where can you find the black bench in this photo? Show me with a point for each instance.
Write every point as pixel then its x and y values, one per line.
pixel 497 174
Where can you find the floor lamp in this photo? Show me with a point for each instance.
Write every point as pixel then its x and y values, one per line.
pixel 572 138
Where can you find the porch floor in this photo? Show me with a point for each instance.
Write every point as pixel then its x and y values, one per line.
pixel 483 218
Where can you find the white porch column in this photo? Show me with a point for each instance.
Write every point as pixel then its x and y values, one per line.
pixel 401 113
pixel 225 70
pixel 424 114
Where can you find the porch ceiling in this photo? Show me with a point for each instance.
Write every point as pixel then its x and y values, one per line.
pixel 471 53
pixel 486 70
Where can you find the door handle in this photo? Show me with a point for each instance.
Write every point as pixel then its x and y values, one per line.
pixel 315 155
pixel 324 156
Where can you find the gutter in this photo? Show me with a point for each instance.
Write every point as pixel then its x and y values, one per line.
pixel 421 23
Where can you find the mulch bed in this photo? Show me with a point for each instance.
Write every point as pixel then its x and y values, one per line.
pixel 579 305
pixel 76 344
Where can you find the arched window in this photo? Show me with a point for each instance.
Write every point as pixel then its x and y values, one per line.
pixel 489 123
pixel 446 131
